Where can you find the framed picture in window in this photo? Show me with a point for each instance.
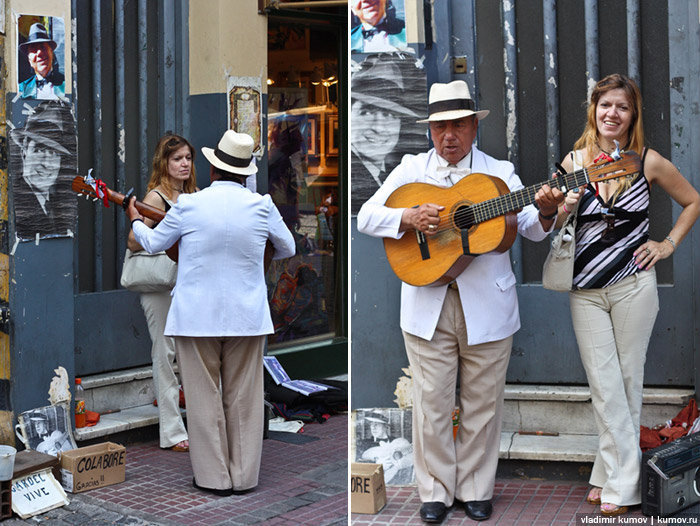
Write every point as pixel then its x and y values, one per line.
pixel 333 138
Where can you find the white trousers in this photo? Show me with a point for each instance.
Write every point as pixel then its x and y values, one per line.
pixel 464 468
pixel 170 425
pixel 613 327
pixel 223 381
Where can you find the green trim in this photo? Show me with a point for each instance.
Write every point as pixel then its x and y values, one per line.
pixel 300 16
pixel 316 360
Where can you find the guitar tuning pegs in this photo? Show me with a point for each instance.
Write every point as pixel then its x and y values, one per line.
pixel 615 154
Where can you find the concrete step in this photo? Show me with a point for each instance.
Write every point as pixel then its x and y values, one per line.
pixel 124 400
pixel 568 409
pixel 564 447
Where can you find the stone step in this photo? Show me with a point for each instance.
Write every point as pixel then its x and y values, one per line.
pixel 124 400
pixel 568 409
pixel 563 448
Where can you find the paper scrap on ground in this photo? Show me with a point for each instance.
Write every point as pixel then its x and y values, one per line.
pixel 288 426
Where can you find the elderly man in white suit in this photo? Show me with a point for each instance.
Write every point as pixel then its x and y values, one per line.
pixel 219 314
pixel 467 325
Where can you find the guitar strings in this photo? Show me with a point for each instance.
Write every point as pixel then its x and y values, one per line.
pixel 486 210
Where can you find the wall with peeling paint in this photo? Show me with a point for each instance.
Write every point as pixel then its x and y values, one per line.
pixel 40 288
pixel 520 57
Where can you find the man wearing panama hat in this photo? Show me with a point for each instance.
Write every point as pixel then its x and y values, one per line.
pixel 46 81
pixel 219 315
pixel 466 326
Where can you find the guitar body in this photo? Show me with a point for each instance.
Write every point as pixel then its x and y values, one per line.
pixel 421 260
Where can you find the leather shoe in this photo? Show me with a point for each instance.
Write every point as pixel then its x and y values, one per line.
pixel 214 491
pixel 478 510
pixel 433 511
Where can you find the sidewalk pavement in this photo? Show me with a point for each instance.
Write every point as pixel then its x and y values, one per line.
pixel 300 484
pixel 518 503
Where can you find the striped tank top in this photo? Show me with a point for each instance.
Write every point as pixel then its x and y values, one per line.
pixel 606 237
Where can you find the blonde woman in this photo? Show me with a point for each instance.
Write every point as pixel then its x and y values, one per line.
pixel 173 174
pixel 615 301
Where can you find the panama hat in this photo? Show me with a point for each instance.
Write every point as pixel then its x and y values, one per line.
pixel 37 33
pixel 233 154
pixel 379 83
pixel 451 101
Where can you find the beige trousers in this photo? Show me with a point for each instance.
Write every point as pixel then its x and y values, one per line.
pixel 613 327
pixel 223 382
pixel 464 469
pixel 170 425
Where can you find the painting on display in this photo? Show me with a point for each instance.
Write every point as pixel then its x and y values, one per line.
pixel 41 63
pixel 388 96
pixel 43 163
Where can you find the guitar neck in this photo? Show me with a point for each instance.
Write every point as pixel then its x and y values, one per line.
pixel 151 212
pixel 519 199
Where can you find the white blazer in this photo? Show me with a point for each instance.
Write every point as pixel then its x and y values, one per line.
pixel 222 232
pixel 487 285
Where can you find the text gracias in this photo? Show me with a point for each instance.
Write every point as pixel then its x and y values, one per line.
pixel 105 461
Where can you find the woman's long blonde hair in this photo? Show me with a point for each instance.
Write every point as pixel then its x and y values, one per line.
pixel 588 141
pixel 167 145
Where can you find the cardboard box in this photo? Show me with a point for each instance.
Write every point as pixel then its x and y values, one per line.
pixel 93 467
pixel 367 489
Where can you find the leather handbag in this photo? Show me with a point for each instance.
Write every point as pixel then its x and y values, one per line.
pixel 144 272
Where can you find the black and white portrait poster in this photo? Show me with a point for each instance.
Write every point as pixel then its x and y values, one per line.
pixel 46 429
pixel 383 436
pixel 43 163
pixel 377 25
pixel 388 96
pixel 41 52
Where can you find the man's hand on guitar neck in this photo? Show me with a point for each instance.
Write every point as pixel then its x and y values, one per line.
pixel 131 211
pixel 425 218
pixel 547 200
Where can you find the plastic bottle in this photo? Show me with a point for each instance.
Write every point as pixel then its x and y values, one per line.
pixel 79 404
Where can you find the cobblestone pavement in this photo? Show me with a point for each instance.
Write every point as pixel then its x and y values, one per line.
pixel 519 503
pixel 300 484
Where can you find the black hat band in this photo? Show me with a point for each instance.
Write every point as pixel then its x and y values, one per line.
pixel 451 105
pixel 231 160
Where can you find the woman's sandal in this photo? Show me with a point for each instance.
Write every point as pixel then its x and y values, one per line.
pixel 608 509
pixel 594 496
pixel 181 447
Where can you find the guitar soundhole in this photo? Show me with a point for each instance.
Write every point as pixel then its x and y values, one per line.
pixel 464 217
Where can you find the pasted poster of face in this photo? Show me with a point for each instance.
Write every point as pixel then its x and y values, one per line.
pixel 46 429
pixel 388 96
pixel 383 436
pixel 377 25
pixel 41 57
pixel 43 163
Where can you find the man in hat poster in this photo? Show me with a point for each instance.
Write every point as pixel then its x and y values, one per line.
pixel 46 82
pixel 379 115
pixel 219 315
pixel 466 326
pixel 376 27
pixel 42 165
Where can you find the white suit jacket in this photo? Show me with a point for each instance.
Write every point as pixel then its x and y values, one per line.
pixel 487 285
pixel 222 232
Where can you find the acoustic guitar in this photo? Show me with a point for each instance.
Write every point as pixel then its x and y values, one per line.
pixel 480 216
pixel 98 190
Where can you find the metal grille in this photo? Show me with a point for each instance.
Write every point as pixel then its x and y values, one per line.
pixel 129 86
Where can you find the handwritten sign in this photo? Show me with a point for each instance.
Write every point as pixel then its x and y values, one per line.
pixel 37 493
